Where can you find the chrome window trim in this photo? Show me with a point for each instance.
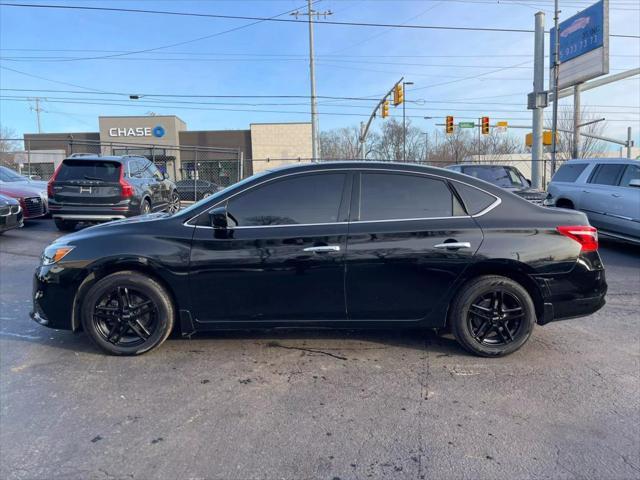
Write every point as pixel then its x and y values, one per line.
pixel 497 202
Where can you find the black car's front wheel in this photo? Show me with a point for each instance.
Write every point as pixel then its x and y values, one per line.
pixel 492 316
pixel 127 313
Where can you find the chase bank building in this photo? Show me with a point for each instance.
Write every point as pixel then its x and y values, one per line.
pixel 177 150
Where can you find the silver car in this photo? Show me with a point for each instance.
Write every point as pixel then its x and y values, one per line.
pixel 606 189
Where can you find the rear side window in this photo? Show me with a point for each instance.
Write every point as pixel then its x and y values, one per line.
pixel 606 174
pixel 385 196
pixel 295 200
pixel 631 173
pixel 94 170
pixel 569 172
pixel 475 200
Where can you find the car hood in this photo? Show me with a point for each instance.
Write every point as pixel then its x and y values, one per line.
pixel 20 189
pixel 112 227
pixel 7 200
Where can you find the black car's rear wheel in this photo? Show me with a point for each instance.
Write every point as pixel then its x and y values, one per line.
pixel 174 203
pixel 492 316
pixel 127 313
pixel 65 225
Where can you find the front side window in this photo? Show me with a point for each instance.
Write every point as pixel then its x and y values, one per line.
pixel 631 173
pixel 386 196
pixel 607 174
pixel 569 172
pixel 300 199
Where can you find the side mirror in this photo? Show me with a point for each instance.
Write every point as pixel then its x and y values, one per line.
pixel 635 182
pixel 165 176
pixel 218 218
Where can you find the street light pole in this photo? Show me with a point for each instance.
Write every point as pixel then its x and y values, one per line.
pixel 556 75
pixel 404 121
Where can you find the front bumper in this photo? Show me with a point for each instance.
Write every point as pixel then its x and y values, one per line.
pixel 54 293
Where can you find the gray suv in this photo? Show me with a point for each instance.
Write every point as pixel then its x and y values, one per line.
pixel 606 189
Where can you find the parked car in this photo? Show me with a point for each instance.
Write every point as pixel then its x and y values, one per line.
pixel 193 190
pixel 93 188
pixel 9 179
pixel 345 244
pixel 503 176
pixel 10 214
pixel 30 198
pixel 606 189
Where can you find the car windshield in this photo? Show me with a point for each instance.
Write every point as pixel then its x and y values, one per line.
pixel 8 175
pixel 504 177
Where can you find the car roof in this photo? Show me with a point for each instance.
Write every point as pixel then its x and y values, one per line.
pixel 604 160
pixel 482 165
pixel 109 158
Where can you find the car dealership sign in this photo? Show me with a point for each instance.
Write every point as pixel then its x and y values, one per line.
pixel 583 46
pixel 157 131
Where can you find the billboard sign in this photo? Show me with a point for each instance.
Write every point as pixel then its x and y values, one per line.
pixel 584 45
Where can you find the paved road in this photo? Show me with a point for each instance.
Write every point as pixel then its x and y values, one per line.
pixel 320 404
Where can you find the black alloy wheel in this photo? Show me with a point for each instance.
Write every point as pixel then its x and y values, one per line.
pixel 125 317
pixel 174 203
pixel 495 318
pixel 492 316
pixel 127 313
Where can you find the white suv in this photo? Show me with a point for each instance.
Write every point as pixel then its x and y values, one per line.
pixel 606 189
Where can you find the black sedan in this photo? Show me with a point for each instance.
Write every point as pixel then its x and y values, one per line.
pixel 345 244
pixel 193 190
pixel 10 214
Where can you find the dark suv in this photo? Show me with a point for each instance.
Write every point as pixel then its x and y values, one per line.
pixel 94 188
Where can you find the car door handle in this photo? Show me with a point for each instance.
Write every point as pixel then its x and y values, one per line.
pixel 453 245
pixel 616 195
pixel 586 191
pixel 323 249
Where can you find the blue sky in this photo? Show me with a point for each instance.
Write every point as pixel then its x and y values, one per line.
pixel 271 59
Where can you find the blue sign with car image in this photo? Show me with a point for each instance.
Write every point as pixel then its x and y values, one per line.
pixel 580 34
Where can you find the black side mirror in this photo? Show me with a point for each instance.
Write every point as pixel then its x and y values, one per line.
pixel 165 176
pixel 218 218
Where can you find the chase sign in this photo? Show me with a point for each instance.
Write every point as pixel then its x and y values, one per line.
pixel 158 131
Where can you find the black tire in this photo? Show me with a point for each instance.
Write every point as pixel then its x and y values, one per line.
pixel 145 207
pixel 65 225
pixel 562 203
pixel 492 316
pixel 127 313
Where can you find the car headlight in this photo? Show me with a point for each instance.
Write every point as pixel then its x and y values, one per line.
pixel 54 253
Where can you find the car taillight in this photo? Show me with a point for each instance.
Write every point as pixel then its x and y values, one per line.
pixel 127 189
pixel 585 235
pixel 50 192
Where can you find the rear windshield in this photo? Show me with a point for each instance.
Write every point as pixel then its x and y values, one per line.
pixel 95 170
pixel 569 172
pixel 500 176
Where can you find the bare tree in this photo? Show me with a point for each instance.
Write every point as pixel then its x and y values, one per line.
pixel 588 146
pixel 389 145
pixel 341 143
pixel 8 145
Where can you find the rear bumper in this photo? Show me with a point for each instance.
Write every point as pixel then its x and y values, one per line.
pixel 578 293
pixel 93 213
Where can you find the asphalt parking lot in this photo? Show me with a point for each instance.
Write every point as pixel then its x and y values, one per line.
pixel 319 404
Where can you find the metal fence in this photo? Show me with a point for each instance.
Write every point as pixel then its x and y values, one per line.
pixel 197 170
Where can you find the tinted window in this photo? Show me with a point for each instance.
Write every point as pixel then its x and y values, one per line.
pixel 89 170
pixel 154 171
pixel 385 196
pixel 135 168
pixel 504 177
pixel 299 199
pixel 569 172
pixel 475 200
pixel 631 173
pixel 606 174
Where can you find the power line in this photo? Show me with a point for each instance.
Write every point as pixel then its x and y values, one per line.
pixel 281 20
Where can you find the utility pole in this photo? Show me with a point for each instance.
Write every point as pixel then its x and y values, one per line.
pixel 576 121
pixel 312 77
pixel 404 120
pixel 556 74
pixel 37 109
pixel 537 148
pixel 629 142
pixel 363 151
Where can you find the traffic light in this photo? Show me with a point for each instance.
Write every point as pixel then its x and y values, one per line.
pixel 449 124
pixel 385 109
pixel 398 95
pixel 485 125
